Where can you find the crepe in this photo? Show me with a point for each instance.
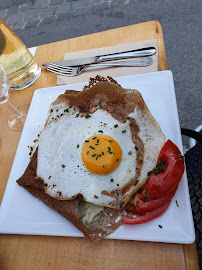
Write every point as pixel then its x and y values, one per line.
pixel 95 221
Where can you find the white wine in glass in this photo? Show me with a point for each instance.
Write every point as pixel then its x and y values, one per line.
pixel 17 118
pixel 19 64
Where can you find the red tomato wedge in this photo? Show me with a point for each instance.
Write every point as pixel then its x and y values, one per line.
pixel 161 184
pixel 139 206
pixel 146 217
pixel 157 193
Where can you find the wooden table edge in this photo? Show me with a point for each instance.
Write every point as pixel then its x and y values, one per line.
pixel 162 61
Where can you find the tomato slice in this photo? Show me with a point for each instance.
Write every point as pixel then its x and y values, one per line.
pixel 156 194
pixel 160 184
pixel 146 217
pixel 139 206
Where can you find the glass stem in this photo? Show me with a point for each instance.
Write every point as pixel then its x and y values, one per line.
pixel 13 108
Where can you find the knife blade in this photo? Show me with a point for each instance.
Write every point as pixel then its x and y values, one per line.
pixel 102 58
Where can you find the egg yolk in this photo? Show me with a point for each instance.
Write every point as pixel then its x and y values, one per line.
pixel 101 154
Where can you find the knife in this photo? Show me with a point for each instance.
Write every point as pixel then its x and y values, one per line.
pixel 102 58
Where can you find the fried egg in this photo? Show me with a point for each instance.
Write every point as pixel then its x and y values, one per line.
pixel 92 155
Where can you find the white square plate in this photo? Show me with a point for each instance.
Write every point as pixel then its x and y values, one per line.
pixel 21 213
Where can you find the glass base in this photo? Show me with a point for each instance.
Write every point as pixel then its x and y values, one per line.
pixel 26 79
pixel 16 122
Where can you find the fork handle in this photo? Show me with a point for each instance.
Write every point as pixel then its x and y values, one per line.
pixel 135 53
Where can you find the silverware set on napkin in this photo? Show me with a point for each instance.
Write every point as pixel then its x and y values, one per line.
pixel 136 58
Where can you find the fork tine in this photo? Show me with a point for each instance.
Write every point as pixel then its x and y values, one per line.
pixel 61 70
pixel 63 73
pixel 59 67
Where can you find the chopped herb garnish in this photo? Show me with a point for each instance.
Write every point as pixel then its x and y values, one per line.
pixel 94 138
pixel 98 140
pixel 63 166
pixel 160 226
pixel 86 140
pixel 117 160
pixel 74 108
pixel 96 144
pixel 77 115
pixel 105 124
pixel 49 177
pixel 93 155
pixel 87 153
pixel 123 131
pixel 132 204
pixel 130 153
pixel 103 153
pixel 96 157
pixel 140 161
pixel 88 107
pixel 136 182
pixel 70 106
pixel 99 155
pixel 112 180
pixel 100 131
pixel 160 167
pixel 127 117
pixel 109 148
pixel 116 126
pixel 113 153
pixel 87 116
pixel 100 103
pixel 177 203
pixel 136 148
pixel 110 140
pixel 57 110
pixel 66 110
pixel 51 110
pixel 92 147
pixel 77 145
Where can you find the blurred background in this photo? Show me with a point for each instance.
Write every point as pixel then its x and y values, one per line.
pixel 38 22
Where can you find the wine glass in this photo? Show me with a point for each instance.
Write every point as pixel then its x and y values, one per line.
pixel 17 118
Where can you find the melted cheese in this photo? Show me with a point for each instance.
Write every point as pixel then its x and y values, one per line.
pixel 89 211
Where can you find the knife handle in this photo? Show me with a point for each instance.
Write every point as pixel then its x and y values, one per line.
pixel 135 53
pixel 137 62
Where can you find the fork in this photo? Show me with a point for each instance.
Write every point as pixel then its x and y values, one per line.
pixel 74 71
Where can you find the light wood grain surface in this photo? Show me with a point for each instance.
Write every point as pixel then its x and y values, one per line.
pixel 43 252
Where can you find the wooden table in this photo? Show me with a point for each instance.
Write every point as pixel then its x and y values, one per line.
pixel 43 252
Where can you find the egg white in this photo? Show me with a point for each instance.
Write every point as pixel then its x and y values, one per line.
pixel 60 164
